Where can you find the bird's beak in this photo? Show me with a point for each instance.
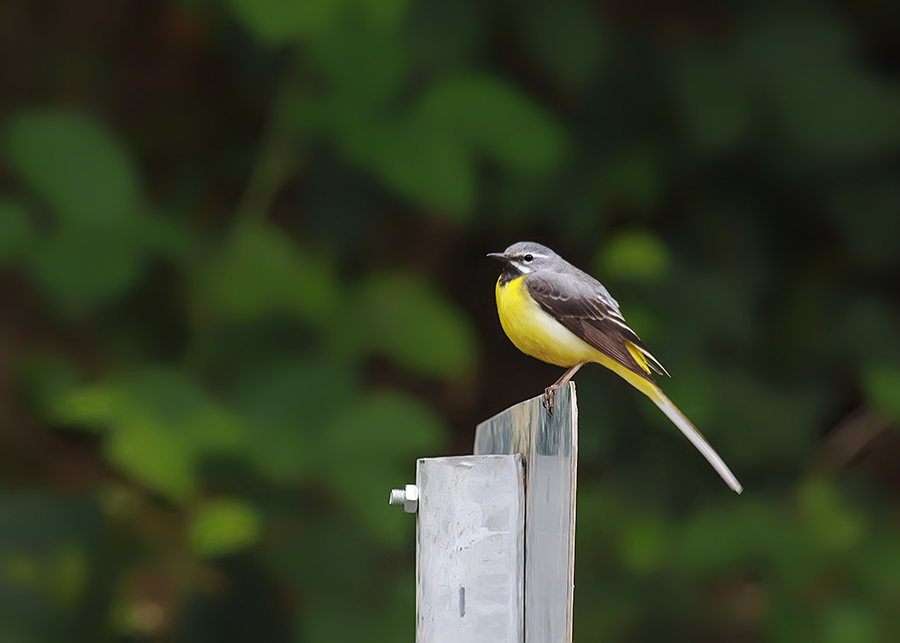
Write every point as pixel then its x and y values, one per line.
pixel 498 255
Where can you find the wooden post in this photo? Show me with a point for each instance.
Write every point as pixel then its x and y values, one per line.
pixel 549 444
pixel 495 546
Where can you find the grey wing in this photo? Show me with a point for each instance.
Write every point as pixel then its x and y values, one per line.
pixel 585 308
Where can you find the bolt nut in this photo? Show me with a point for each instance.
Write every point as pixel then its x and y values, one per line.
pixel 408 498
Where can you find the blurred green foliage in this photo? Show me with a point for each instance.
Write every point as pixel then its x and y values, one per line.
pixel 243 286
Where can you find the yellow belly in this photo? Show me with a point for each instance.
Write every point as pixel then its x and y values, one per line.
pixel 536 333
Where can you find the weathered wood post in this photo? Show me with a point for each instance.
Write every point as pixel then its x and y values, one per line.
pixel 495 544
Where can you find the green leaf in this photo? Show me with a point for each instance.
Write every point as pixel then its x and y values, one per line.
pixel 443 36
pixel 413 324
pixel 834 523
pixel 879 565
pixel 371 446
pixel 75 164
pixel 44 377
pixel 565 37
pixel 497 119
pixel 154 456
pixel 260 272
pixel 16 232
pixel 426 155
pixel 418 161
pixel 93 253
pixel 851 622
pixel 91 407
pixel 881 384
pixel 168 237
pixel 431 169
pixel 161 424
pixel 830 107
pixel 286 404
pixel 385 14
pixel 79 266
pixel 277 22
pixel 355 47
pixel 224 526
pixel 634 254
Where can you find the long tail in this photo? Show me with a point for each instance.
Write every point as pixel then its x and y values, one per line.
pixel 665 404
pixel 690 431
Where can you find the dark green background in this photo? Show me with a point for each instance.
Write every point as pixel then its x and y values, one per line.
pixel 243 288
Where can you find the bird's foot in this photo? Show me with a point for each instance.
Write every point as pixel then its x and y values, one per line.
pixel 549 395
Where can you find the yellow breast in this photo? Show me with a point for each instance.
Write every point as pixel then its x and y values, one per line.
pixel 536 333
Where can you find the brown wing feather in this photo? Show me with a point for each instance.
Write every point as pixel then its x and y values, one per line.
pixel 590 314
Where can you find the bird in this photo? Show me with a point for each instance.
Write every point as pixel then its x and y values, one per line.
pixel 559 314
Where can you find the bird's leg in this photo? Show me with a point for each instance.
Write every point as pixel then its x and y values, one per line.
pixel 550 391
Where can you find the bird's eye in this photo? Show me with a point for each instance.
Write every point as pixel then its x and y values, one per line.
pixel 528 258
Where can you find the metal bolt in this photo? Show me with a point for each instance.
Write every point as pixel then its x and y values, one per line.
pixel 408 498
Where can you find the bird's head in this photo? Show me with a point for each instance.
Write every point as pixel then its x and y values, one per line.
pixel 525 256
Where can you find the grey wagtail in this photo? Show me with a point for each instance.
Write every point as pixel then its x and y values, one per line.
pixel 553 311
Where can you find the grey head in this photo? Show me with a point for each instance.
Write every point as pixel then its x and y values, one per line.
pixel 543 265
pixel 527 256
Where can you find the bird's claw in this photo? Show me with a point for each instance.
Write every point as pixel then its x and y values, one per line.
pixel 549 395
